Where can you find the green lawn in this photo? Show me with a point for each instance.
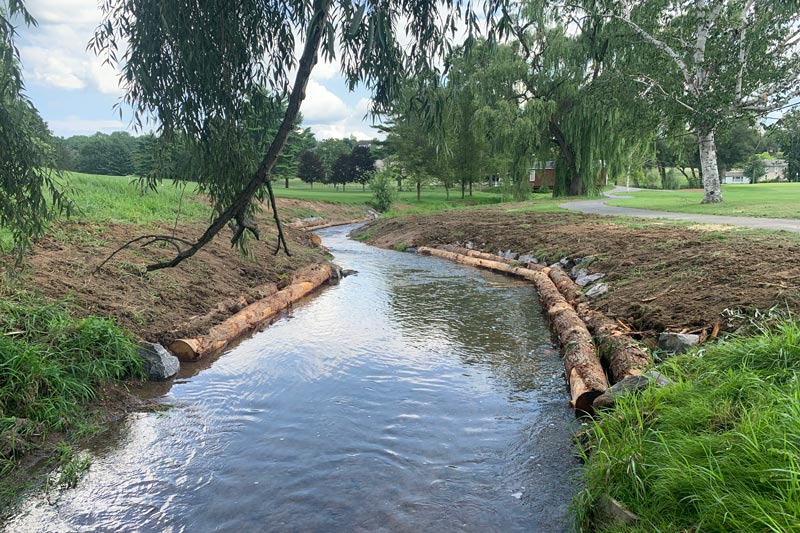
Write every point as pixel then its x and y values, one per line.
pixel 104 199
pixel 776 200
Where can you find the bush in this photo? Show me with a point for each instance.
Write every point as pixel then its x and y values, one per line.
pixel 382 186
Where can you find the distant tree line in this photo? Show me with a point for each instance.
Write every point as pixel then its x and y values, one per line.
pixel 337 162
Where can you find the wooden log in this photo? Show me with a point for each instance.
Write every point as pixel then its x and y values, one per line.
pixel 332 224
pixel 583 370
pixel 620 354
pixel 251 317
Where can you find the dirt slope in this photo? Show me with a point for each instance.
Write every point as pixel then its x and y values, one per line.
pixel 661 276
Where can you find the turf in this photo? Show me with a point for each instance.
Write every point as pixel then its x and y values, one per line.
pixel 717 451
pixel 774 200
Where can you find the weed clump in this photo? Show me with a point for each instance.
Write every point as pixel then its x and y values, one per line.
pixel 719 450
pixel 51 364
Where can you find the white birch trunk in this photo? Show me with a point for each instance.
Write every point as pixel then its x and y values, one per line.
pixel 712 193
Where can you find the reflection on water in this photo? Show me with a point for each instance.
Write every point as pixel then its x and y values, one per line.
pixel 417 395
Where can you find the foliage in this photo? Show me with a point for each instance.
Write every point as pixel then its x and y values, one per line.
pixel 383 190
pixel 362 165
pixel 31 192
pixel 719 450
pixel 311 168
pixel 329 151
pixel 755 169
pixel 787 134
pixel 203 70
pixel 53 362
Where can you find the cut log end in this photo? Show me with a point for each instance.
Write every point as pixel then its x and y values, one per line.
pixel 185 349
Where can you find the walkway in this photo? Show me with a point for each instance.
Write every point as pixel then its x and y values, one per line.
pixel 599 207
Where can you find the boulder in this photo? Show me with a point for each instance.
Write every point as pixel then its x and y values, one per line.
pixel 159 364
pixel 630 385
pixel 349 272
pixel 609 512
pixel 584 278
pixel 527 258
pixel 596 290
pixel 677 342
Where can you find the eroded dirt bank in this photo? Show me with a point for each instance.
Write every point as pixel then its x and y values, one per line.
pixel 184 301
pixel 661 276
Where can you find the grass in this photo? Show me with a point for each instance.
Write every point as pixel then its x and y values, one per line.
pixel 717 451
pixel 51 365
pixel 775 200
pixel 105 199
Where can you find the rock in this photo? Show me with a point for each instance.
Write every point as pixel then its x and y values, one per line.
pixel 159 364
pixel 596 290
pixel 411 249
pixel 623 388
pixel 526 258
pixel 609 512
pixel 657 378
pixel 555 265
pixel 677 342
pixel 565 262
pixel 348 272
pixel 584 278
pixel 468 245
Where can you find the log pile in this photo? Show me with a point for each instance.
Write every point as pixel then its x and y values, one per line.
pixel 253 316
pixel 585 374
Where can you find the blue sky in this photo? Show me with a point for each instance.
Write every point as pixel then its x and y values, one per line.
pixel 75 93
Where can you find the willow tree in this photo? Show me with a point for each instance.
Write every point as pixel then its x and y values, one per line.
pixel 30 192
pixel 710 62
pixel 190 63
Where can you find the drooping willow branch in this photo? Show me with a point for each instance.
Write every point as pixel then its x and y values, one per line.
pixel 238 207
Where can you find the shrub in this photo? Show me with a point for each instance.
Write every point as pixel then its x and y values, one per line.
pixel 382 186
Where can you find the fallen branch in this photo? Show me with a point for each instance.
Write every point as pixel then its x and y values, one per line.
pixel 169 239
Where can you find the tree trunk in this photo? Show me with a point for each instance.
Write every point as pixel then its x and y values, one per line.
pixel 463 184
pixel 575 187
pixel 447 192
pixel 363 187
pixel 312 184
pixel 419 190
pixel 399 184
pixel 286 181
pixel 712 192
pixel 470 187
pixel 662 171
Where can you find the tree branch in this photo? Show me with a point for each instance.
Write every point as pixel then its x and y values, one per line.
pixel 262 176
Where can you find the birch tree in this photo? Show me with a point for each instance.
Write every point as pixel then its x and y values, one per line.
pixel 710 62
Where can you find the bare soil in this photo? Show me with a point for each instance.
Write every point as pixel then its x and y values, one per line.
pixel 661 276
pixel 184 301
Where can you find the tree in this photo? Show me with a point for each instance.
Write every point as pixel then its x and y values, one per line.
pixel 311 168
pixel 299 141
pixel 754 169
pixel 31 193
pixel 709 62
pixel 342 170
pixel 188 64
pixel 786 133
pixel 329 150
pixel 362 165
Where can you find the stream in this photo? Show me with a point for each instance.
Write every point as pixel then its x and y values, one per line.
pixel 418 395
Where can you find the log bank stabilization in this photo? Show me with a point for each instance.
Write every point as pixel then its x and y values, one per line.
pixel 580 330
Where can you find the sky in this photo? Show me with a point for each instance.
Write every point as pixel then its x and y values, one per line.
pixel 75 93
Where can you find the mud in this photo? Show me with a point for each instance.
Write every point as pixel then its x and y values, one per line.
pixel 661 276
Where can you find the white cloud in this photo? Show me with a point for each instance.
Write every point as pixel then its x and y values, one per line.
pixel 77 126
pixel 325 71
pixel 354 124
pixel 65 11
pixel 321 104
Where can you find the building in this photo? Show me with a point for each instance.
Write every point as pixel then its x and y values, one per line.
pixel 775 170
pixel 543 173
pixel 735 177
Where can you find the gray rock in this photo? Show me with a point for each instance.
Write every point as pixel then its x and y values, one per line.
pixel 348 272
pixel 469 245
pixel 565 261
pixel 555 265
pixel 609 512
pixel 677 342
pixel 596 290
pixel 584 278
pixel 578 272
pixel 630 385
pixel 159 364
pixel 527 258
pixel 411 249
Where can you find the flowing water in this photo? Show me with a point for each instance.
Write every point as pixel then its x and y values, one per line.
pixel 418 395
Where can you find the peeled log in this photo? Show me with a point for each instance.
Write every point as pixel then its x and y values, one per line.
pixel 619 353
pixel 332 224
pixel 585 374
pixel 251 317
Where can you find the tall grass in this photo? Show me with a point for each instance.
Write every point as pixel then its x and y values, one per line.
pixel 51 364
pixel 717 451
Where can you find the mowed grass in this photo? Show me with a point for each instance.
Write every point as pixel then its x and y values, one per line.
pixel 775 200
pixel 717 451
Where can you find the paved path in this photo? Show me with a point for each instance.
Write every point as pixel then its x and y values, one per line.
pixel 599 207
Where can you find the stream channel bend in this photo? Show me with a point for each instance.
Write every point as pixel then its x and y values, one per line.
pixel 418 395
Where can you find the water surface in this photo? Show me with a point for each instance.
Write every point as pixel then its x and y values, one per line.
pixel 418 395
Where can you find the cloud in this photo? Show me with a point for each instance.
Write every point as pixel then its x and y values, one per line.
pixel 353 124
pixel 321 104
pixel 77 126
